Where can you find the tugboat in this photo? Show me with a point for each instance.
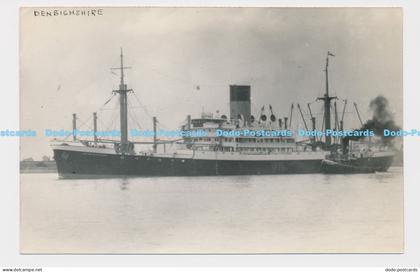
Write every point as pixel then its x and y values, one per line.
pixel 204 155
pixel 359 157
pixel 344 167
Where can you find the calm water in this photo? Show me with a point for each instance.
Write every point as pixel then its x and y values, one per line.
pixel 252 214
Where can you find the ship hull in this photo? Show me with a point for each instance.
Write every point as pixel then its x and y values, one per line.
pixel 76 164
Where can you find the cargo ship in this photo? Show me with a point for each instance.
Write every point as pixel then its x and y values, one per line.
pixel 210 154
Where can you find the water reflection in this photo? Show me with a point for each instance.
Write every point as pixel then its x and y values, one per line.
pixel 242 181
pixel 123 184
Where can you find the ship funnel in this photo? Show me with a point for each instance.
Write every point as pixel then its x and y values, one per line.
pixel 240 102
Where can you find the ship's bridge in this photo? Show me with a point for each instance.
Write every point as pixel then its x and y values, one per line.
pixel 206 122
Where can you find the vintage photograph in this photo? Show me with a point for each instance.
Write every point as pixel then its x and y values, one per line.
pixel 149 130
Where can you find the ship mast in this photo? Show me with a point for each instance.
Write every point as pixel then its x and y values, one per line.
pixel 122 91
pixel 327 102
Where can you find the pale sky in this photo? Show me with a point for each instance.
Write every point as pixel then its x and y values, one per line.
pixel 65 63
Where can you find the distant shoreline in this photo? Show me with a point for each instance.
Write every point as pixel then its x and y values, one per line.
pixel 38 167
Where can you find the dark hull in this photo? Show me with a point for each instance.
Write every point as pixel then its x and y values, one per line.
pixel 362 165
pixel 77 164
pixel 339 168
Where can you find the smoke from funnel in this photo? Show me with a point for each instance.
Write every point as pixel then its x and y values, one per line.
pixel 382 119
pixel 380 108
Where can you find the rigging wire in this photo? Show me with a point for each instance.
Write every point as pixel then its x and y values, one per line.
pixel 141 105
pixel 113 116
pixel 161 125
pixel 113 119
pixel 90 116
pixel 130 113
